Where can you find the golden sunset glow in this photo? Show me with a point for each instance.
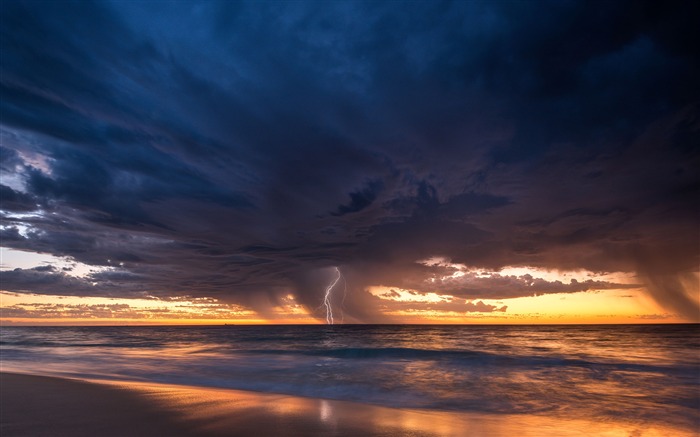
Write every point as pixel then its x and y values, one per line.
pixel 28 309
pixel 608 306
pixel 628 305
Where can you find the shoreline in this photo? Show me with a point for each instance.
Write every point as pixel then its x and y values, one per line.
pixel 33 405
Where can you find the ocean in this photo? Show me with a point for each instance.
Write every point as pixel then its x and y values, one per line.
pixel 639 374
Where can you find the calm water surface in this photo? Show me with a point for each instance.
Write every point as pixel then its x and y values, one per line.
pixel 635 373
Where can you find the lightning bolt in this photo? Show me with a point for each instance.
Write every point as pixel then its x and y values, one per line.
pixel 327 298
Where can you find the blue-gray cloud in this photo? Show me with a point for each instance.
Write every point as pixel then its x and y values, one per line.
pixel 232 149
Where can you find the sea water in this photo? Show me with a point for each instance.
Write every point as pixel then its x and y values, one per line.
pixel 641 374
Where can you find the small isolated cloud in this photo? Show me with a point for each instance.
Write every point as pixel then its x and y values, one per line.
pixel 361 199
pixel 656 316
pixel 480 307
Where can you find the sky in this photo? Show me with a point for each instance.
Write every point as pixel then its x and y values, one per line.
pixel 439 162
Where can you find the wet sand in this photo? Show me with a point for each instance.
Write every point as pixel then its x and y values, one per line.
pixel 47 406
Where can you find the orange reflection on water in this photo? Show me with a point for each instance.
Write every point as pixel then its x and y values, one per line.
pixel 220 412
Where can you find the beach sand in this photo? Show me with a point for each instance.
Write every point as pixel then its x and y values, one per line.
pixel 46 406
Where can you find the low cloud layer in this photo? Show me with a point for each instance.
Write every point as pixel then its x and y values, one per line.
pixel 121 311
pixel 239 151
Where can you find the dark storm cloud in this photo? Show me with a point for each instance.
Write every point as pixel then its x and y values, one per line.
pixel 9 159
pixel 16 201
pixel 239 150
pixel 46 280
pixel 360 200
pixel 495 286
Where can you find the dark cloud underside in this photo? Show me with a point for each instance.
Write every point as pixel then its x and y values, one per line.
pixel 237 150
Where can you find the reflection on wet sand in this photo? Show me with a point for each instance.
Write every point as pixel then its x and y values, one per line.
pixel 222 412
